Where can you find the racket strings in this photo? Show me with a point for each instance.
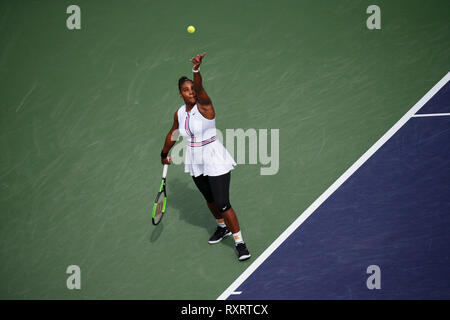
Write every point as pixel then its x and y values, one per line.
pixel 159 208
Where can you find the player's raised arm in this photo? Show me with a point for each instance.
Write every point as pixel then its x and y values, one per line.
pixel 203 98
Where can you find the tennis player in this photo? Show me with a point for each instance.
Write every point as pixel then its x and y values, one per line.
pixel 207 160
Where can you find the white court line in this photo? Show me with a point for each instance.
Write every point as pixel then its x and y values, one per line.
pixel 333 188
pixel 431 115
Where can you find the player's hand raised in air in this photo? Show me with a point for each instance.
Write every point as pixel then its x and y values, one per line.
pixel 197 61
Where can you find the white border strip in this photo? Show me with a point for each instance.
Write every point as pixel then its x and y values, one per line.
pixel 431 115
pixel 232 288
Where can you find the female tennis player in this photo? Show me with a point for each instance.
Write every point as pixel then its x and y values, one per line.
pixel 207 160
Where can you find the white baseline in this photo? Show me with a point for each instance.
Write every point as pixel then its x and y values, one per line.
pixel 431 115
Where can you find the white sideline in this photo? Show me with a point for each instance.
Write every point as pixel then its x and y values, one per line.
pixel 232 288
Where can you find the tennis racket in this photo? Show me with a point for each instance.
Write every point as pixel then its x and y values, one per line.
pixel 159 207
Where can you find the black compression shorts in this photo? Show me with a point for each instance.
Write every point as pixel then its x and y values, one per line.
pixel 215 189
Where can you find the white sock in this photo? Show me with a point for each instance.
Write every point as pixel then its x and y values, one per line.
pixel 238 237
pixel 221 223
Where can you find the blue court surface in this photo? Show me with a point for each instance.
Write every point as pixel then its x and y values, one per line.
pixel 392 212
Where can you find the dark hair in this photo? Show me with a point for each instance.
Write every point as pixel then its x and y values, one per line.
pixel 182 80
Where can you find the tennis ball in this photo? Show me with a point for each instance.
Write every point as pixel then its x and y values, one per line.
pixel 191 29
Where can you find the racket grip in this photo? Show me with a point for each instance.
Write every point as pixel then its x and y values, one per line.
pixel 166 166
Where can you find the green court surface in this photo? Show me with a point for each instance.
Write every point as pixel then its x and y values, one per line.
pixel 84 114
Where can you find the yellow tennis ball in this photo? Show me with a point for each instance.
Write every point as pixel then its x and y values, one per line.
pixel 191 29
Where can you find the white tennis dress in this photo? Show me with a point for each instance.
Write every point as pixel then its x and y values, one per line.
pixel 205 154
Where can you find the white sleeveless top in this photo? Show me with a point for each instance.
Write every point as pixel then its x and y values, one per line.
pixel 205 154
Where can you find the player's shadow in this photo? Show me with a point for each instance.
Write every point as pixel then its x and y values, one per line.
pixel 188 200
pixel 189 203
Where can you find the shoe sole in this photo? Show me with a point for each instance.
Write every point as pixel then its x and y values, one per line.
pixel 242 258
pixel 217 241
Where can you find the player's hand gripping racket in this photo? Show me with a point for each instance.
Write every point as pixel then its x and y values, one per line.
pixel 159 207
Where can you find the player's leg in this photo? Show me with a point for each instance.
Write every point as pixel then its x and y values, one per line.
pixel 222 231
pixel 220 187
pixel 202 184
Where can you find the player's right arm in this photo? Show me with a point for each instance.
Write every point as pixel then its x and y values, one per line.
pixel 171 138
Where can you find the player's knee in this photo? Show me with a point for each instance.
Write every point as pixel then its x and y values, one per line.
pixel 223 206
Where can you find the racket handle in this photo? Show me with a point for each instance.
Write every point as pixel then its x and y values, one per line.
pixel 166 166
